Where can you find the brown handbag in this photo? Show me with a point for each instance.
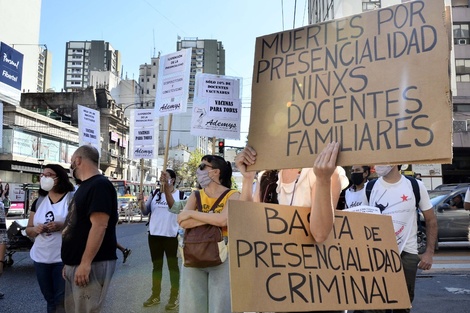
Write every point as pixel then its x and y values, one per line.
pixel 204 245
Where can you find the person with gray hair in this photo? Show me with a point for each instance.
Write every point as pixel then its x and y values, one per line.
pixel 89 237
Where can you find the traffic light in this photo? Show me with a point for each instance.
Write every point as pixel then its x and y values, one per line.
pixel 221 146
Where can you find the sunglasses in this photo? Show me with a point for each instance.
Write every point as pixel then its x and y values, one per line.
pixel 202 166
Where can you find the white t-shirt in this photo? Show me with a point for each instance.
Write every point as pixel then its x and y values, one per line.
pixel 398 201
pixel 299 192
pixel 355 198
pixel 163 222
pixel 46 247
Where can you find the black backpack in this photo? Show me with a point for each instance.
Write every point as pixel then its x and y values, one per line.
pixel 268 186
pixel 414 184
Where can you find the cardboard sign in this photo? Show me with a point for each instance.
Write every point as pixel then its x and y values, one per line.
pixel 276 266
pixel 377 82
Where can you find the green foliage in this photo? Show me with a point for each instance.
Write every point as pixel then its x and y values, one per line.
pixel 187 171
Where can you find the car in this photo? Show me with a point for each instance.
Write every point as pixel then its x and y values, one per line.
pixel 450 187
pixel 453 224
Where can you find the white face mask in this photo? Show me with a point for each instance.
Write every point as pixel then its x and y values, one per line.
pixel 383 170
pixel 47 183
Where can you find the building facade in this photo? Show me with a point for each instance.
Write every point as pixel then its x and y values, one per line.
pixel 20 30
pixel 82 57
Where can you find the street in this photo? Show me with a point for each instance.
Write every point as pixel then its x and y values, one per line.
pixel 445 288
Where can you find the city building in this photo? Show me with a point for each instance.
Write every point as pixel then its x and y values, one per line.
pixel 21 32
pixel 82 57
pixel 44 70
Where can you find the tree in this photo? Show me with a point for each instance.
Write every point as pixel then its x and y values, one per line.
pixel 187 171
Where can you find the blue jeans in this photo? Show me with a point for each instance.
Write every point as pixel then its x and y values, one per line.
pixel 52 285
pixel 205 289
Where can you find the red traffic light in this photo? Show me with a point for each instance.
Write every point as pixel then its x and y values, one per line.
pixel 221 146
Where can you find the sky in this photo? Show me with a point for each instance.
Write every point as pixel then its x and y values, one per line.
pixel 140 29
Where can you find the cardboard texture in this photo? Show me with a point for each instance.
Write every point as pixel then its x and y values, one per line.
pixel 276 266
pixel 377 82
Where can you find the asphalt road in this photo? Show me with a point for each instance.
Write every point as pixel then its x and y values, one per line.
pixel 446 288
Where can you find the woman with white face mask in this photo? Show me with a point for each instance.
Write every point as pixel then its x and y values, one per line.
pixel 46 219
pixel 207 289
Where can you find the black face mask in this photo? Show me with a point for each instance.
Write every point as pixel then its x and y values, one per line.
pixel 357 178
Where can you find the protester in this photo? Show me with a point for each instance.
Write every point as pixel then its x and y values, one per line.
pixel 393 194
pixel 162 238
pixel 126 252
pixel 46 220
pixel 3 242
pixel 208 289
pixel 89 237
pixel 324 179
pixel 355 195
pixel 6 198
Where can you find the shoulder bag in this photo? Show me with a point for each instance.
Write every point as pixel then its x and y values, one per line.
pixel 204 246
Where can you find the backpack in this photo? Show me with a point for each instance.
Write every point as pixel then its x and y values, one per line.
pixel 268 186
pixel 414 184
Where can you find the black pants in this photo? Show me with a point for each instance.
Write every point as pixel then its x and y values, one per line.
pixel 160 246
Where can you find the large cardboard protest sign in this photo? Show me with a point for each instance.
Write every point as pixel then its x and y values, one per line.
pixel 377 82
pixel 276 266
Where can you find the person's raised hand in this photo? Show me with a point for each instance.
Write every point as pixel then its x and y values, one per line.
pixel 325 163
pixel 244 159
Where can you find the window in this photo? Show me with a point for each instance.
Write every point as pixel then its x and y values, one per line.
pixel 462 69
pixel 461 33
pixel 154 86
pixel 368 5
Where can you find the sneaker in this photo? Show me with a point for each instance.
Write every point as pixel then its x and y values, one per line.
pixel 172 304
pixel 153 300
pixel 125 254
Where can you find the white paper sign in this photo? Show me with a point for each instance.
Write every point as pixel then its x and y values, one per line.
pixel 144 137
pixel 173 83
pixel 89 127
pixel 216 107
pixel 364 209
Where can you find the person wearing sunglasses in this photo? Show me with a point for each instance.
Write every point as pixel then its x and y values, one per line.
pixel 45 224
pixel 208 289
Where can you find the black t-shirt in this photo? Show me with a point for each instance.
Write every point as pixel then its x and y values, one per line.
pixel 96 194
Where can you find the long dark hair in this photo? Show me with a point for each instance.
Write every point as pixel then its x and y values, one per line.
pixel 63 182
pixel 268 186
pixel 225 168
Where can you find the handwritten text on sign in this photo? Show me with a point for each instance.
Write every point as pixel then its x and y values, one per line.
pixel 276 266
pixel 375 82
